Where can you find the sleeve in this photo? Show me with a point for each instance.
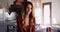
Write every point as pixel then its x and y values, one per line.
pixel 19 27
pixel 33 29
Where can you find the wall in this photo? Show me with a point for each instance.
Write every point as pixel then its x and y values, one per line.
pixel 55 9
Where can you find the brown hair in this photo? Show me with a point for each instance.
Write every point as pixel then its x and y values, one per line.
pixel 31 16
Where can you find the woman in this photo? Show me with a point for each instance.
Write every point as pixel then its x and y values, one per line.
pixel 26 22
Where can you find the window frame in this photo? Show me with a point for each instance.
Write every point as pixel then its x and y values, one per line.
pixel 48 3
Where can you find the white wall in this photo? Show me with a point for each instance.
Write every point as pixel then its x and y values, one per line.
pixel 55 9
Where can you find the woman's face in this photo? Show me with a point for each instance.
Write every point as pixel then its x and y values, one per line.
pixel 29 9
